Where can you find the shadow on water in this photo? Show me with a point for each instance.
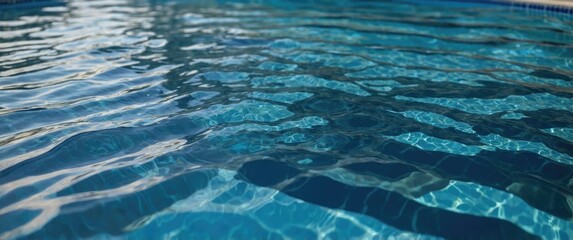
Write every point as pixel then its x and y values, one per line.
pixel 388 207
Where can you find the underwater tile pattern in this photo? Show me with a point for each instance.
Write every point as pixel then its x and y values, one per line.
pixel 139 119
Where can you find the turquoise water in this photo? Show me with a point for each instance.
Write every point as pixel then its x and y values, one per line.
pixel 144 119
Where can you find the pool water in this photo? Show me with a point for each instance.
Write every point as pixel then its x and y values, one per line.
pixel 145 119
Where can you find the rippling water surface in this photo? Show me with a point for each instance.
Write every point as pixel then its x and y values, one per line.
pixel 285 120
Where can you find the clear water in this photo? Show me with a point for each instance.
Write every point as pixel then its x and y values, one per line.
pixel 285 120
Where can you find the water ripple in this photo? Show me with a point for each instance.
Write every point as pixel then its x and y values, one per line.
pixel 138 119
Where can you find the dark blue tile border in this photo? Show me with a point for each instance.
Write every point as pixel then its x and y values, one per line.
pixel 521 5
pixel 24 4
